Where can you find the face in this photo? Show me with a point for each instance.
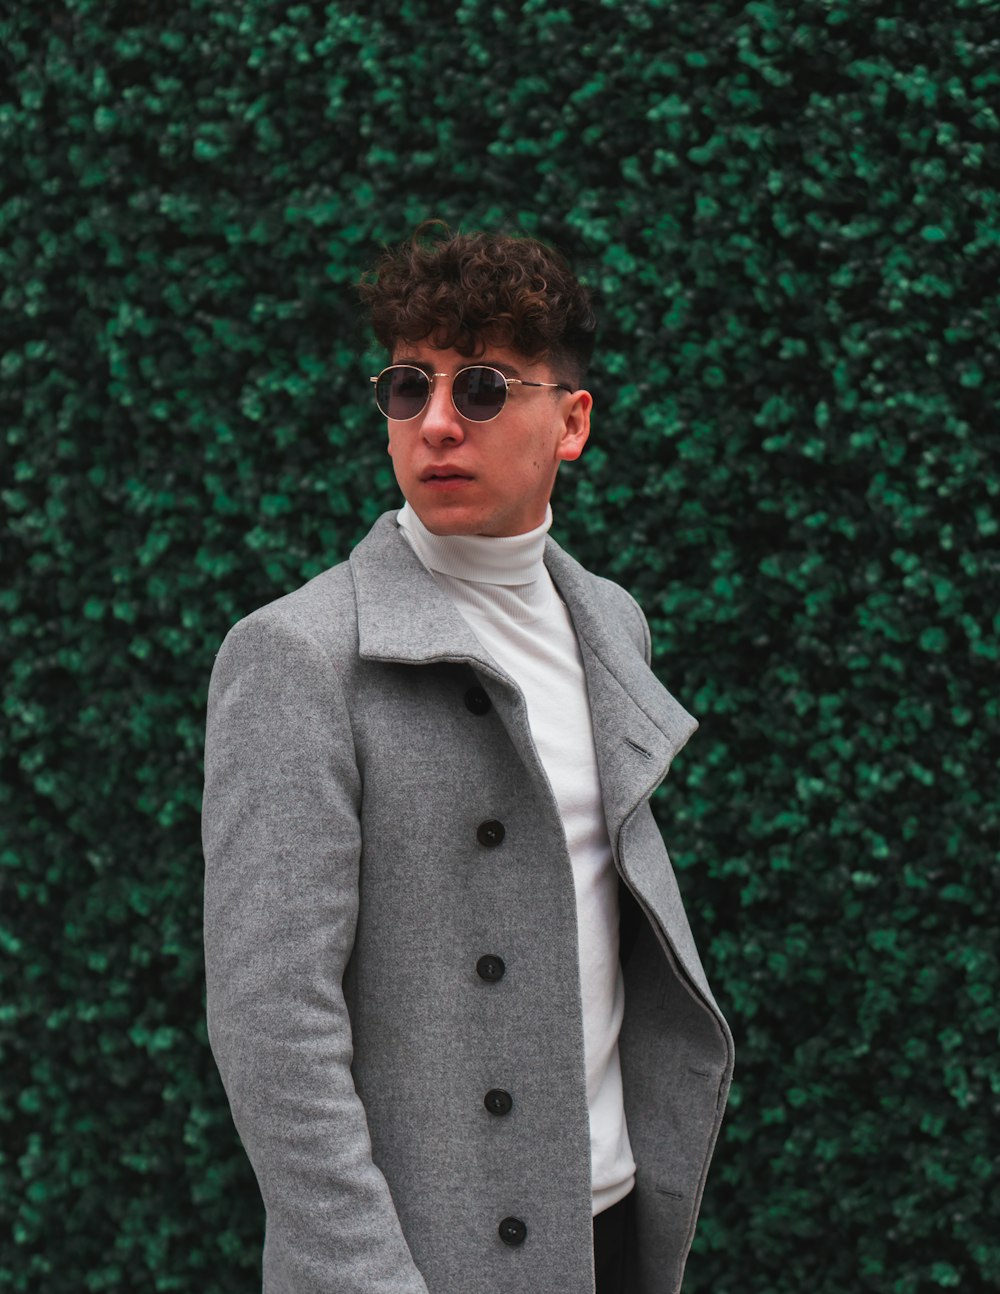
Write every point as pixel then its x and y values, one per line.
pixel 463 477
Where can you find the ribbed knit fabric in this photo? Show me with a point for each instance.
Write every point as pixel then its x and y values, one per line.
pixel 503 590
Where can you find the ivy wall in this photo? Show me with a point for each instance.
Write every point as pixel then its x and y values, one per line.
pixel 790 217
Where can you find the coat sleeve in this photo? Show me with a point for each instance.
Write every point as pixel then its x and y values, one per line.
pixel 282 843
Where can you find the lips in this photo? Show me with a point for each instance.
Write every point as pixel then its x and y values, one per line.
pixel 445 472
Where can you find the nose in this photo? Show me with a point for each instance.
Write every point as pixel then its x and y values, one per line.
pixel 441 423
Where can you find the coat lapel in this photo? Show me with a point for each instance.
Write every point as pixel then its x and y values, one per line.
pixel 404 617
pixel 638 726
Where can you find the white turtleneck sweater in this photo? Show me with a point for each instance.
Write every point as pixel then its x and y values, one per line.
pixel 505 593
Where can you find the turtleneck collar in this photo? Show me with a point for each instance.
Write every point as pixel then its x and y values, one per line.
pixel 511 560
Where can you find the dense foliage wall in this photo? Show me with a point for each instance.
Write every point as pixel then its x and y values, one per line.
pixel 790 214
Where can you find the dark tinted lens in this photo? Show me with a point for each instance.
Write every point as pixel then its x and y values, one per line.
pixel 401 392
pixel 479 393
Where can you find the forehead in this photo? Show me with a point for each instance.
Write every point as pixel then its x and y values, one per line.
pixel 436 359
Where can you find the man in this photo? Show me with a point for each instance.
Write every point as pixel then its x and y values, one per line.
pixel 454 999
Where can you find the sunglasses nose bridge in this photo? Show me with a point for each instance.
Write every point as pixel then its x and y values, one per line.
pixel 441 418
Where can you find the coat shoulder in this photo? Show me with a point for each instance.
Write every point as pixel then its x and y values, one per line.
pixel 323 610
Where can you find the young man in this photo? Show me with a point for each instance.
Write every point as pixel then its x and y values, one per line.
pixel 454 999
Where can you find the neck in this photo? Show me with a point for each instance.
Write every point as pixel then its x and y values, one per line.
pixel 513 559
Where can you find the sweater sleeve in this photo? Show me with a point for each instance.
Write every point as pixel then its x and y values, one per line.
pixel 282 843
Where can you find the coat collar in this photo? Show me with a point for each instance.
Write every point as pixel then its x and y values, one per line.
pixel 638 726
pixel 404 617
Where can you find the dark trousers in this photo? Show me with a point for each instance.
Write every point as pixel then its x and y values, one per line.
pixel 614 1242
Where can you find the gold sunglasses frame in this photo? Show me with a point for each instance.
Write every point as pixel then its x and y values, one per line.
pixel 508 382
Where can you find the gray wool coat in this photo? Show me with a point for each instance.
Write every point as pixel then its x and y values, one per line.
pixel 349 901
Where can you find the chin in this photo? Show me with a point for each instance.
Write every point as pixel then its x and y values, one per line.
pixel 450 521
pixel 453 526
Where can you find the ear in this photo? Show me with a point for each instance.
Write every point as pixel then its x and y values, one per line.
pixel 576 426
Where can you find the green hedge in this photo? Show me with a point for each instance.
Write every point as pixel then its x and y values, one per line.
pixel 790 216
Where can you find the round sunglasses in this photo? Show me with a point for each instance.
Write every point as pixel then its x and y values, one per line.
pixel 478 392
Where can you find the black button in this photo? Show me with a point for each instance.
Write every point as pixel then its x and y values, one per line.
pixel 497 1101
pixel 477 700
pixel 490 968
pixel 512 1231
pixel 490 833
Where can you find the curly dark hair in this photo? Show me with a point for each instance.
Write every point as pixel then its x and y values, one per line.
pixel 467 291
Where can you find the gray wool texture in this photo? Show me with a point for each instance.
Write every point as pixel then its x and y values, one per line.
pixel 347 900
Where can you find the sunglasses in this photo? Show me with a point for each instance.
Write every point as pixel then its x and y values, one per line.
pixel 478 393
